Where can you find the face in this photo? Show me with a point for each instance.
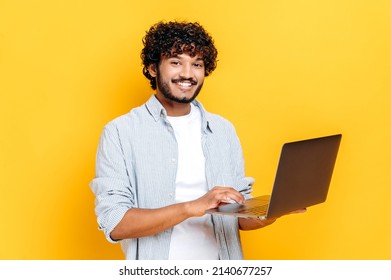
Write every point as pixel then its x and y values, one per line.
pixel 179 78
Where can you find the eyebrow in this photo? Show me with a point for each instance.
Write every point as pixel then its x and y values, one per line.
pixel 179 56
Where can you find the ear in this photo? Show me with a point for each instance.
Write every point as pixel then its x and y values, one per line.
pixel 152 70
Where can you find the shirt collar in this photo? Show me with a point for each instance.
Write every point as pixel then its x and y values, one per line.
pixel 157 111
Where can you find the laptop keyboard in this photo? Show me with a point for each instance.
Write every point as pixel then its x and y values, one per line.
pixel 256 210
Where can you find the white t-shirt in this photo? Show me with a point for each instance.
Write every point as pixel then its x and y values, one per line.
pixel 194 238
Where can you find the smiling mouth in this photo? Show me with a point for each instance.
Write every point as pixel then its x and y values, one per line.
pixel 185 83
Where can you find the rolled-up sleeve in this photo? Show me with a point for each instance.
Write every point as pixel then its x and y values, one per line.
pixel 114 195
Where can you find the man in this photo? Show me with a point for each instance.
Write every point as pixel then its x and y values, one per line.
pixel 162 165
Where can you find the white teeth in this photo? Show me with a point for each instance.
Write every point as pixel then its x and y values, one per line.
pixel 184 84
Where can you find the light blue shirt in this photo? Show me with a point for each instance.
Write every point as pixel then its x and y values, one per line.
pixel 136 166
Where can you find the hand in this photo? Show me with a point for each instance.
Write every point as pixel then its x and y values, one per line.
pixel 252 223
pixel 214 198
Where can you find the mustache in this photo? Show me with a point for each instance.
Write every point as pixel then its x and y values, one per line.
pixel 192 81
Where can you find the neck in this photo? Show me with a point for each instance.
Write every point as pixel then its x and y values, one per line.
pixel 174 109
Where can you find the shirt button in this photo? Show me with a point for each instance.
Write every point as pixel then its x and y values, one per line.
pixel 173 160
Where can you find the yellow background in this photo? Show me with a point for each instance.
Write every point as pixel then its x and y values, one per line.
pixel 287 70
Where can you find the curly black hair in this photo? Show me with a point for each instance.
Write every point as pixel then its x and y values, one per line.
pixel 173 38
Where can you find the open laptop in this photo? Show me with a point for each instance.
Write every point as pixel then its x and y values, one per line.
pixel 303 177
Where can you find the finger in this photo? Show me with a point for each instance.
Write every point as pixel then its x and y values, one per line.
pixel 227 196
pixel 299 211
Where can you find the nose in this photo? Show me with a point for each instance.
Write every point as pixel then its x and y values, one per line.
pixel 186 71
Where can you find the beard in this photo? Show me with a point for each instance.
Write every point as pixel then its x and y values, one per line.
pixel 165 89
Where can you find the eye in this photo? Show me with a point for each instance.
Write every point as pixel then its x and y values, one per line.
pixel 174 62
pixel 198 65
